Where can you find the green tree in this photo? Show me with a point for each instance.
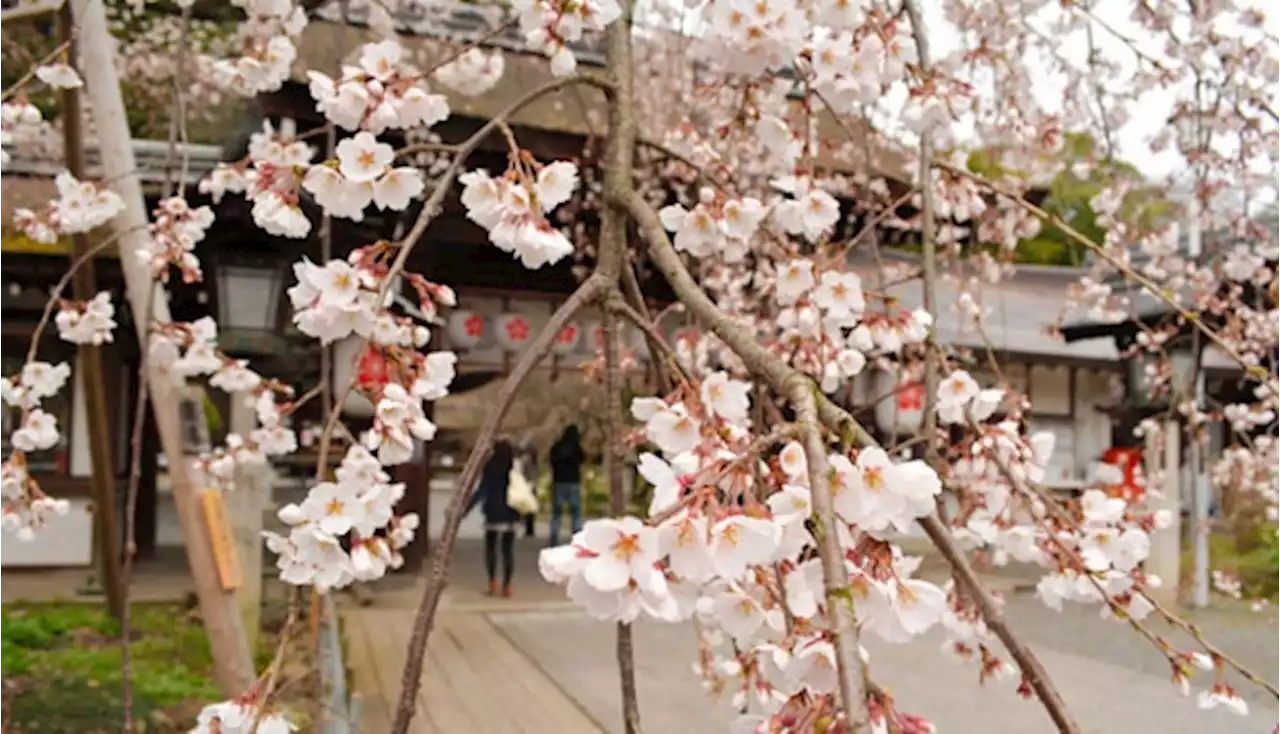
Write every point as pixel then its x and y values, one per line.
pixel 1068 195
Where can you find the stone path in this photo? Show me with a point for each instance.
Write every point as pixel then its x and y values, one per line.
pixel 1105 696
pixel 534 664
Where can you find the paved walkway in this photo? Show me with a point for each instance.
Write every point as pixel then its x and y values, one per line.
pixel 535 664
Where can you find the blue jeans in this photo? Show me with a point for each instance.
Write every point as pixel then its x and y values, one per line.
pixel 565 493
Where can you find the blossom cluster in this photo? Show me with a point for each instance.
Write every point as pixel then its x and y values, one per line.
pixel 270 178
pixel 473 73
pixel 238 716
pixel 26 507
pixel 16 119
pixel 730 540
pixel 269 51
pixel 81 206
pixel 357 505
pixel 514 209
pixel 176 229
pixel 362 174
pixel 382 92
pixel 550 26
pixel 91 322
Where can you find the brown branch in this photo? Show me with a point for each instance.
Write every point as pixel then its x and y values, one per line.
pixel 430 210
pixel 659 350
pixel 589 291
pixel 800 389
pixel 639 313
pixel 993 615
pixel 779 374
pixel 619 159
pixel 835 577
pixel 624 646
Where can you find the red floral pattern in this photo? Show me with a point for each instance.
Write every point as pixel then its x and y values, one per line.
pixel 518 329
pixel 474 326
pixel 911 397
pixel 567 335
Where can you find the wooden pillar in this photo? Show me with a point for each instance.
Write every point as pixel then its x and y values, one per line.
pixel 1166 544
pixel 106 530
pixel 146 519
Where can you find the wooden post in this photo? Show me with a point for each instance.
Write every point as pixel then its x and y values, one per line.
pixel 232 663
pixel 246 503
pixel 1166 545
pixel 106 530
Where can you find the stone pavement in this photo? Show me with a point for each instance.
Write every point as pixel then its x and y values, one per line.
pixel 535 664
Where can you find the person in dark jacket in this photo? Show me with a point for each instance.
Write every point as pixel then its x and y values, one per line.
pixel 500 520
pixel 566 481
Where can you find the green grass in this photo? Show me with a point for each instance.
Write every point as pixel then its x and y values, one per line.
pixel 62 667
pixel 1252 558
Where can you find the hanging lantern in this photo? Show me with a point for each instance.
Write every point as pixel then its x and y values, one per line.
pixel 347 358
pixel 902 412
pixel 687 335
pixel 465 328
pixel 567 339
pixel 595 342
pixel 513 332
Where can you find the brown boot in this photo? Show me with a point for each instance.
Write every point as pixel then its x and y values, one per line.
pixel 506 592
pixel 493 588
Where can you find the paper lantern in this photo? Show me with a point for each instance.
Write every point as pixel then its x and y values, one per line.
pixel 687 334
pixel 567 339
pixel 466 329
pixel 513 331
pixel 348 357
pixel 902 412
pixel 595 342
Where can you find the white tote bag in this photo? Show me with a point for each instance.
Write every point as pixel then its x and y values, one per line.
pixel 520 496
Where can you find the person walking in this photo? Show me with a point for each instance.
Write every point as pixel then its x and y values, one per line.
pixel 500 519
pixel 566 481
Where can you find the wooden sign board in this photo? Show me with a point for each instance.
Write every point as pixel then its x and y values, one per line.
pixel 224 547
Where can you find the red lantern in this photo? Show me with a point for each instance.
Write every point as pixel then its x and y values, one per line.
pixel 368 369
pixel 901 413
pixel 567 339
pixel 911 397
pixel 513 332
pixel 465 328
pixel 372 373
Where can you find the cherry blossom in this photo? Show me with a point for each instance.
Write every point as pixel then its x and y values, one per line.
pixel 59 76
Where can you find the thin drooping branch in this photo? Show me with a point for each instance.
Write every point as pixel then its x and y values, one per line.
pixel 928 246
pixel 430 210
pixel 618 504
pixel 612 260
pixel 638 312
pixel 660 353
pixel 800 390
pixel 835 577
pixel 779 374
pixel 993 615
pixel 591 290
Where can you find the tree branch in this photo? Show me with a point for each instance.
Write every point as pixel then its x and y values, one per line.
pixel 590 290
pixel 781 377
pixel 835 577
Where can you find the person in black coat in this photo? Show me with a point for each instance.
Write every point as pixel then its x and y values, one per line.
pixel 500 519
pixel 566 481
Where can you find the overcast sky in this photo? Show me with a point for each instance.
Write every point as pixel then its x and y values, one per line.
pixel 1156 107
